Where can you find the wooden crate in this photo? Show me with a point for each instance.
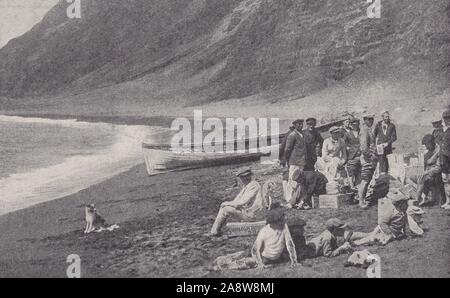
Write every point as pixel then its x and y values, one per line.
pixel 236 229
pixel 334 201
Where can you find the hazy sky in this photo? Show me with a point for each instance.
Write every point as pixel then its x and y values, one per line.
pixel 18 16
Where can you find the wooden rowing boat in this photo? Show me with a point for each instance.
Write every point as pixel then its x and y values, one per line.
pixel 160 158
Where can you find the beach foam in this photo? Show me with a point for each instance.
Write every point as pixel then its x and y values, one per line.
pixel 76 172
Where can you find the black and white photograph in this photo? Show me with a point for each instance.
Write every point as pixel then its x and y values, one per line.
pixel 234 142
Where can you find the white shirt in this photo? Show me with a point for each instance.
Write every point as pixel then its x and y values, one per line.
pixel 273 241
pixel 249 198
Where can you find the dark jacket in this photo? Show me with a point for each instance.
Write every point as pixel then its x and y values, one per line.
pixel 283 144
pixel 444 154
pixel 313 138
pixel 353 145
pixel 295 152
pixel 438 135
pixel 390 137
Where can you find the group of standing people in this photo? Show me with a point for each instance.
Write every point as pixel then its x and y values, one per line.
pixel 353 151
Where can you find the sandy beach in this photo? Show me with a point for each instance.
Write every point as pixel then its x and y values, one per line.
pixel 162 230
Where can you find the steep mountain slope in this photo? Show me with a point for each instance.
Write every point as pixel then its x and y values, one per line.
pixel 187 52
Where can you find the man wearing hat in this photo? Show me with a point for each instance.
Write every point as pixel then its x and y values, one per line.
pixel 295 158
pixel 438 131
pixel 248 205
pixel 326 243
pixel 368 157
pixel 353 145
pixel 346 124
pixel 431 179
pixel 391 222
pixel 334 155
pixel 273 239
pixel 385 134
pixel 314 143
pixel 445 158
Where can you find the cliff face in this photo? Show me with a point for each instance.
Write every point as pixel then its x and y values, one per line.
pixel 208 50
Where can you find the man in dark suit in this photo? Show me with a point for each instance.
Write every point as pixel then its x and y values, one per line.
pixel 314 143
pixel 385 134
pixel 438 132
pixel 295 158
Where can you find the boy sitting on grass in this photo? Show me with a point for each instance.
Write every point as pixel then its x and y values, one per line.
pixel 326 243
pixel 273 239
pixel 391 223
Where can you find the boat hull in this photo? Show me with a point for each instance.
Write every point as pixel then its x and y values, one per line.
pixel 158 160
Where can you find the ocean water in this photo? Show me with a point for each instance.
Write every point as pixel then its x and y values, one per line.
pixel 43 159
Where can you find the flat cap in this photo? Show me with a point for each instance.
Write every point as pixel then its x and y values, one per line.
pixel 335 223
pixel 311 119
pixel 437 122
pixel 397 196
pixel 368 116
pixel 244 172
pixel 298 121
pixel 334 129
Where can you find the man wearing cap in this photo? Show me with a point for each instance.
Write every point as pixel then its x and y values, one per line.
pixel 295 158
pixel 391 222
pixel 346 125
pixel 438 131
pixel 314 143
pixel 273 239
pixel 368 157
pixel 353 145
pixel 248 205
pixel 385 134
pixel 326 243
pixel 445 158
pixel 431 179
pixel 334 155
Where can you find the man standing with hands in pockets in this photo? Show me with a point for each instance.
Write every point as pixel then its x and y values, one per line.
pixel 385 134
pixel 295 157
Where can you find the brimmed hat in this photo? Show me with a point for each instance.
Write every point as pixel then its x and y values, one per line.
pixel 311 119
pixel 335 223
pixel 244 172
pixel 298 121
pixel 334 129
pixel 368 116
pixel 437 122
pixel 397 196
pixel 427 139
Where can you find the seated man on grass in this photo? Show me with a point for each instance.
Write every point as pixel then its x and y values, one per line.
pixel 273 239
pixel 391 223
pixel 326 243
pixel 249 205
